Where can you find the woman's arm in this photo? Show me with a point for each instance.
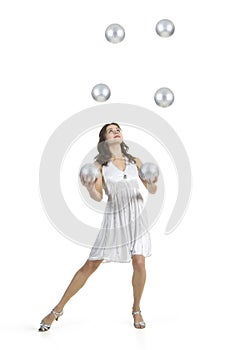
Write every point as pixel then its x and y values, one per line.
pixel 150 186
pixel 95 188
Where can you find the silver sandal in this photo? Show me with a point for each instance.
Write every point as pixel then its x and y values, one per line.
pixel 138 324
pixel 45 326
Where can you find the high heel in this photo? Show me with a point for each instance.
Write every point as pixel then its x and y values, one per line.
pixel 138 324
pixel 46 326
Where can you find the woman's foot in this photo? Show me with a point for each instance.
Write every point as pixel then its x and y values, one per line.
pixel 48 319
pixel 138 319
pixel 46 322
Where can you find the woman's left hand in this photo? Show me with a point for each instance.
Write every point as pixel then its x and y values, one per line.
pixel 152 181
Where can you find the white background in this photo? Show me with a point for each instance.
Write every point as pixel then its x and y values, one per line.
pixel 52 54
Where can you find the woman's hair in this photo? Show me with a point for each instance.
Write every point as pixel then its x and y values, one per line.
pixel 104 154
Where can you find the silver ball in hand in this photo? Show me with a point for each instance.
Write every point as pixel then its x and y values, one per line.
pixel 89 173
pixel 148 171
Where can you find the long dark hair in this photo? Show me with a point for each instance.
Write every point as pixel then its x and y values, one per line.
pixel 104 154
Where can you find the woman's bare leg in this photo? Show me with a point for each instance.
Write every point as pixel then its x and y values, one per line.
pixel 138 282
pixel 75 285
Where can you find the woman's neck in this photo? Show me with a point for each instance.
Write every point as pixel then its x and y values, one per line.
pixel 119 158
pixel 116 152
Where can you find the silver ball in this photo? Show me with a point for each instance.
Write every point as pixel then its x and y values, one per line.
pixel 165 28
pixel 89 172
pixel 164 97
pixel 101 92
pixel 115 33
pixel 148 171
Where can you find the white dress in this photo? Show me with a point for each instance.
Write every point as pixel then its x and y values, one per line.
pixel 123 231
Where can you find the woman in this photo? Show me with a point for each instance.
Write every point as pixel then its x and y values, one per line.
pixel 119 172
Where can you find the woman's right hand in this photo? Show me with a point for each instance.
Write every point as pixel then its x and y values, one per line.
pixel 92 180
pixel 89 183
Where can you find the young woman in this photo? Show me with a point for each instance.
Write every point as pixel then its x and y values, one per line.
pixel 123 236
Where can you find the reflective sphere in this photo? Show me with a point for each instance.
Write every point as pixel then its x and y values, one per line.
pixel 165 28
pixel 148 171
pixel 164 97
pixel 89 173
pixel 101 92
pixel 115 33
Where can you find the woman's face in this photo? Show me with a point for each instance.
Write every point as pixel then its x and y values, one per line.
pixel 113 134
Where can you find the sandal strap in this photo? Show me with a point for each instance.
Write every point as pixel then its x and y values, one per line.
pixel 141 323
pixel 136 312
pixel 44 326
pixel 57 314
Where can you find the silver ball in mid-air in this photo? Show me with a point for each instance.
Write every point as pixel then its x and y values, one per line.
pixel 89 173
pixel 165 28
pixel 164 97
pixel 115 33
pixel 148 171
pixel 101 92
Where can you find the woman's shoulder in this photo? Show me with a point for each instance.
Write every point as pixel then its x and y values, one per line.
pixel 96 163
pixel 99 165
pixel 138 162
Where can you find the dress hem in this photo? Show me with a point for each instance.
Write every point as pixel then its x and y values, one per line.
pixel 105 260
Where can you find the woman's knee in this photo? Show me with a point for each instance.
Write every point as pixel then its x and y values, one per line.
pixel 92 265
pixel 138 262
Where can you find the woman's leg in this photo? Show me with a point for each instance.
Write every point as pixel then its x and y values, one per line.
pixel 138 282
pixel 76 284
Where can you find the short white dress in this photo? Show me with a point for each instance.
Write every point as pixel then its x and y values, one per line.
pixel 123 231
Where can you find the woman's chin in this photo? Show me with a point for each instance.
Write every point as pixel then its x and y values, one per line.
pixel 116 140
